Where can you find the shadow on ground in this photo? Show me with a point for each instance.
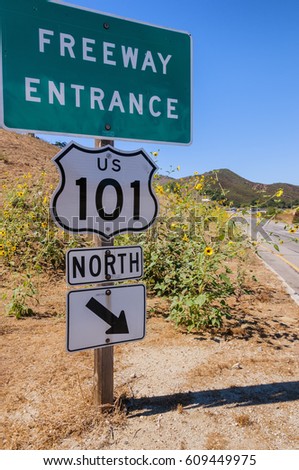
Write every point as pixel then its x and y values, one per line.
pixel 250 395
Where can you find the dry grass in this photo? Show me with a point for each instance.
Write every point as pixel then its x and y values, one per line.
pixel 180 408
pixel 215 441
pixel 287 216
pixel 243 420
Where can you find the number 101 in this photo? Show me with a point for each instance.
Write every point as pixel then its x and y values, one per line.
pixel 82 183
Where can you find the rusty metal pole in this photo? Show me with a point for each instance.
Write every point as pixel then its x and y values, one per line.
pixel 103 385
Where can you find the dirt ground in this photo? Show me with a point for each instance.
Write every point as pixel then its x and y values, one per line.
pixel 237 388
pixel 232 389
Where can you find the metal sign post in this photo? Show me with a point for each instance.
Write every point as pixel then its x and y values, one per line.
pixel 103 383
pixel 104 191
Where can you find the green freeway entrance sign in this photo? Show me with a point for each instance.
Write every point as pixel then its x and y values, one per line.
pixel 72 71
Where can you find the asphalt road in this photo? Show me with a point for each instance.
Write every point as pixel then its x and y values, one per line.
pixel 284 262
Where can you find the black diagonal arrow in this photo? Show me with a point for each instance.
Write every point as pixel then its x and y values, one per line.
pixel 118 324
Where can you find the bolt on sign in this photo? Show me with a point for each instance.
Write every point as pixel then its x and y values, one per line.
pixel 73 71
pixel 104 191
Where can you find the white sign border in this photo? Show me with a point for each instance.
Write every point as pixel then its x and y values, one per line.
pixel 110 343
pixel 100 249
pixel 62 181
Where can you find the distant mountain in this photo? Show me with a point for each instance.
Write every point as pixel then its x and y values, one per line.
pixel 225 184
pixel 20 154
pixel 241 191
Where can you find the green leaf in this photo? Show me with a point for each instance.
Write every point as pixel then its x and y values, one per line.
pixel 200 300
pixel 225 278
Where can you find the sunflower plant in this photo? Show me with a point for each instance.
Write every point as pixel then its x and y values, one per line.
pixel 28 237
pixel 29 241
pixel 187 254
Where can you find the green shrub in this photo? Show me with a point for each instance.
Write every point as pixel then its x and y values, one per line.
pixel 187 255
pixel 18 305
pixel 28 237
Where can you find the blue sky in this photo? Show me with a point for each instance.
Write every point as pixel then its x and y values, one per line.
pixel 246 84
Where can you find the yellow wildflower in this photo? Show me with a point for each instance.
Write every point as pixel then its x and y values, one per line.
pixel 185 238
pixel 195 173
pixel 259 214
pixel 2 252
pixel 45 200
pixel 279 193
pixel 2 233
pixel 198 187
pixel 292 230
pixel 208 251
pixel 20 193
pixel 159 189
pixel 44 224
pixel 155 154
pixel 13 248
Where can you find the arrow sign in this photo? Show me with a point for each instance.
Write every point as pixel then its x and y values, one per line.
pixel 118 324
pixel 86 306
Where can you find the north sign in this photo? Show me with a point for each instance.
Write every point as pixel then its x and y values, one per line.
pixel 104 191
pixel 73 71
pixel 94 265
pixel 105 316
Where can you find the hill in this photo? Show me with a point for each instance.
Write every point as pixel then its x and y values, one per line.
pixel 20 153
pixel 240 191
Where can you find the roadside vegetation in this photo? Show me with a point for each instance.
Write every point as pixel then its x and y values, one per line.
pixel 194 254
